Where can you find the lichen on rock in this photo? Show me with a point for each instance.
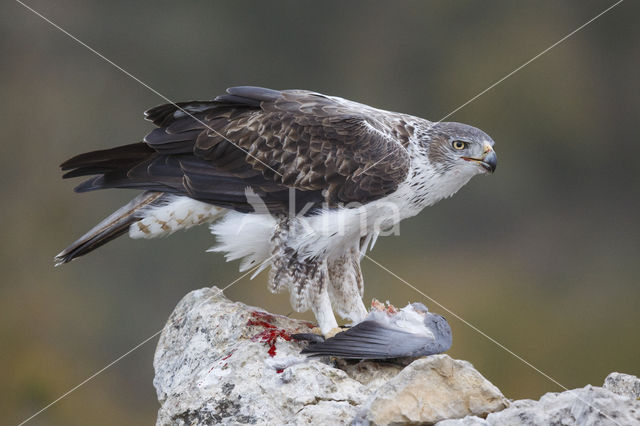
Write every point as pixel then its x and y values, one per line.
pixel 623 384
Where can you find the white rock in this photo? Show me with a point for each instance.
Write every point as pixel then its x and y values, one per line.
pixel 588 406
pixel 213 364
pixel 466 421
pixel 623 384
pixel 223 362
pixel 432 389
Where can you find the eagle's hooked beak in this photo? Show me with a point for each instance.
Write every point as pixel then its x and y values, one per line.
pixel 489 160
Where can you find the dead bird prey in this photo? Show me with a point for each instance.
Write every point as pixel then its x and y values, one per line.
pixel 302 183
pixel 412 331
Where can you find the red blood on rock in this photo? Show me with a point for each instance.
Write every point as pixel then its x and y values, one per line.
pixel 260 323
pixel 262 315
pixel 271 333
pixel 261 319
pixel 272 350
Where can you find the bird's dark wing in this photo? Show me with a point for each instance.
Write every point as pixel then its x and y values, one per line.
pixel 373 340
pixel 325 149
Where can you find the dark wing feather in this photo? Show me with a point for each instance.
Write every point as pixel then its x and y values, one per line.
pixel 373 340
pixel 110 228
pixel 325 149
pixel 313 142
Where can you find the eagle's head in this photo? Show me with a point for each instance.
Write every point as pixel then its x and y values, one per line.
pixel 460 149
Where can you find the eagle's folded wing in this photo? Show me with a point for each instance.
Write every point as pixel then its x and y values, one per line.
pixel 326 149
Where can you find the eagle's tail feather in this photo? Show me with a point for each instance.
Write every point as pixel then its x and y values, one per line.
pixel 105 160
pixel 110 228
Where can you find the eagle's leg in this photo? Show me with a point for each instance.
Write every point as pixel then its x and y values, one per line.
pixel 346 286
pixel 310 289
pixel 321 305
pixel 307 279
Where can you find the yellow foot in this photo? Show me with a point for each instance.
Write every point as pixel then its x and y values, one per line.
pixel 331 332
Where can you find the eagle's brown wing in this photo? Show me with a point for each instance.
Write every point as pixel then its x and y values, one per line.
pixel 326 149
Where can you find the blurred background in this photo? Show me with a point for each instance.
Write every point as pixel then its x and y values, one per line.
pixel 543 256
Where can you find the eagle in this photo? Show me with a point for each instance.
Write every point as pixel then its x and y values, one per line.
pixel 294 181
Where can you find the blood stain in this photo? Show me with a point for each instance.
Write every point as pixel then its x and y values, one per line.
pixel 271 334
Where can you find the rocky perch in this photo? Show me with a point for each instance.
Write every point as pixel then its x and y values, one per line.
pixel 219 361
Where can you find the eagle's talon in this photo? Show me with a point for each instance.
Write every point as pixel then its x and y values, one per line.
pixel 315 331
pixel 334 331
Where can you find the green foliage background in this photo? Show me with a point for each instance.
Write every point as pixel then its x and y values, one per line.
pixel 543 256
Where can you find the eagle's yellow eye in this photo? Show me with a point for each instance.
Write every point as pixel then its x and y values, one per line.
pixel 459 144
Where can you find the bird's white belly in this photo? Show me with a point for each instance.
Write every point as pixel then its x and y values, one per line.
pixel 327 234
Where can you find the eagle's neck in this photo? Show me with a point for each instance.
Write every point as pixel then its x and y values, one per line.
pixel 425 184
